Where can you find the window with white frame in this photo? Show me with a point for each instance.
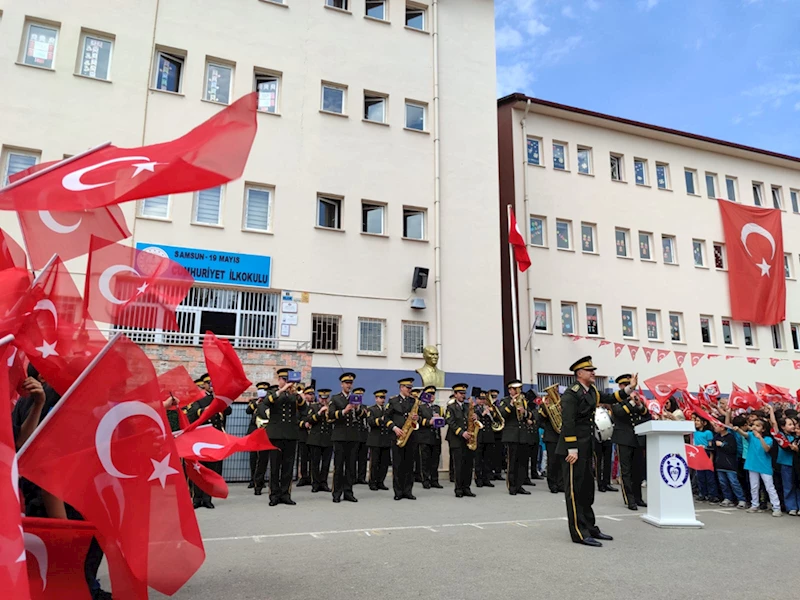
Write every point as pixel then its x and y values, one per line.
pixel 787 266
pixel 370 336
pixel 795 329
pixel 669 249
pixel 329 212
pixel 676 327
pixel 560 156
pixel 662 176
pixel 617 172
pixel 267 84
pixel 699 252
pixel 653 318
pixel 325 332
pixel 707 329
pixel 777 197
pixel 333 98
pixel 415 335
pixel 219 80
pixel 376 9
pixel 711 185
pixel 731 184
pixel 415 16
pixel 584 160
pixel 640 171
pixel 541 315
pixel 623 242
pixel 415 116
pixel 593 320
pixel 749 334
pixel 16 161
pixel 758 193
pixel 534 151
pixel 413 223
pixel 777 336
pixel 155 208
pixel 691 181
pixel 208 206
pixel 257 208
pixel 538 231
pixel 95 58
pixel 719 256
pixel 41 41
pixel 568 324
pixel 645 245
pixel 373 218
pixel 794 195
pixel 628 322
pixel 563 234
pixel 374 107
pixel 588 231
pixel 168 72
pixel 340 4
pixel 727 332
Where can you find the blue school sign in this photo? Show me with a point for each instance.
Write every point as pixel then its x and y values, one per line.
pixel 212 266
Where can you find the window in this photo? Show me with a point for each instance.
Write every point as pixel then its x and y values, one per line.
pixel 711 185
pixel 325 332
pixel 616 168
pixel 341 4
pixel 376 9
pixel 777 337
pixel 777 200
pixel 662 176
pixel 207 206
pixel 541 315
pixel 95 58
pixel 157 208
pixel 40 45
pixel 719 256
pixel 795 329
pixel 16 161
pixel 268 86
pixel 415 17
pixel 539 231
pixel 333 98
pixel 758 194
pixel 257 208
pixel 645 245
pixel 787 266
pixel 374 108
pixel 628 322
pixel 622 238
pixel 218 82
pixel 653 324
pixel 568 325
pixel 168 75
pixel 415 116
pixel 413 223
pixel 593 320
pixel 749 335
pixel 640 171
pixel 534 157
pixel 793 194
pixel 676 327
pixel 563 235
pixel 560 156
pixel 329 212
pixel 691 177
pixel 669 250
pixel 699 252
pixel 730 183
pixel 370 336
pixel 587 237
pixel 584 160
pixel 372 218
pixel 706 329
pixel 415 336
pixel 727 332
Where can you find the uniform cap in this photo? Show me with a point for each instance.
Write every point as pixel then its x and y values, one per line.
pixel 380 393
pixel 494 392
pixel 324 393
pixel 283 372
pixel 406 381
pixel 583 363
pixel 347 377
pixel 309 390
pixel 199 380
pixel 205 377
pixel 359 391
pixel 623 379
pixel 460 387
pixel 262 385
pixel 431 389
pixel 514 383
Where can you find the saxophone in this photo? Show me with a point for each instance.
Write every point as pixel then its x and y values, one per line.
pixel 409 425
pixel 551 402
pixel 473 427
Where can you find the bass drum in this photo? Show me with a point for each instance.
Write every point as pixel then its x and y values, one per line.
pixel 604 426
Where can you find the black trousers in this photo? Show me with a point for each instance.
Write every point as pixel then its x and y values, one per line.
pixel 303 462
pixel 517 465
pixel 403 468
pixel 344 467
pixel 362 461
pixel 253 465
pixel 579 493
pixel 602 463
pixel 631 466
pixel 535 451
pixel 378 465
pixel 483 463
pixel 418 464
pixel 463 459
pixel 281 462
pixel 497 456
pixel 555 476
pixel 199 495
pixel 429 455
pixel 262 462
pixel 320 465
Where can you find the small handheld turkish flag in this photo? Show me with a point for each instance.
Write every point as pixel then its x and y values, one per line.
pixel 698 459
pixel 207 480
pixel 664 385
pixel 210 444
pixel 518 242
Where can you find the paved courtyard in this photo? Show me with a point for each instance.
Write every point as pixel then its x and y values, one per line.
pixel 494 546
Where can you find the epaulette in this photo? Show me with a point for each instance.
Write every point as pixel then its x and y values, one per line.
pixel 451 401
pixel 576 387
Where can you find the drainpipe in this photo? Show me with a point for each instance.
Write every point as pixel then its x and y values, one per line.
pixel 528 297
pixel 437 182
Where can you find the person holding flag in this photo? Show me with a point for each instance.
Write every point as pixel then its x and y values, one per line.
pixel 630 447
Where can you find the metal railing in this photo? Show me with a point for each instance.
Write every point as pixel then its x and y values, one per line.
pixel 175 338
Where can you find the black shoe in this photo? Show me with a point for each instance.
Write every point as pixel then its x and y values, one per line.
pixel 602 536
pixel 337 499
pixel 373 487
pixel 350 498
pixel 396 497
pixel 452 480
pixel 523 491
pixel 468 493
pixel 459 494
pixel 512 493
pixel 437 485
pixel 602 489
pixel 324 488
pixel 303 482
pixel 426 485
pixel 257 491
pixel 632 506
pixel 410 496
pixel 362 482
pixel 383 487
pixel 287 500
pixel 208 504
pixel 590 542
pixel 479 483
pixel 641 503
pixel 314 489
pixel 537 477
pixel 528 482
pixel 611 488
pixel 197 504
pixel 251 485
pixel 488 484
pixel 553 491
pixel 273 501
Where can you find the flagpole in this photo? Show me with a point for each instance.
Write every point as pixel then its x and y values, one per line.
pixel 53 167
pixel 512 266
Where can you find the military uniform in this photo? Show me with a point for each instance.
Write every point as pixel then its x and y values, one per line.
pixel 529 435
pixel 262 456
pixel 379 441
pixel 555 481
pixel 320 444
pixel 602 465
pixel 484 453
pixel 283 429
pixel 362 456
pixel 398 410
pixel 193 412
pixel 578 406
pixel 261 391
pixel 517 448
pixel 630 447
pixel 429 441
pixel 345 436
pixel 463 458
pixel 303 467
pixel 498 450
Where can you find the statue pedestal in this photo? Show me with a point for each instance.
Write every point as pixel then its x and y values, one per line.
pixel 442 398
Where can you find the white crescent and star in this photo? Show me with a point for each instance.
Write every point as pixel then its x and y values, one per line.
pixel 660 389
pixel 753 228
pixel 105 281
pixel 73 181
pixel 36 546
pixel 53 225
pixel 47 349
pixel 198 447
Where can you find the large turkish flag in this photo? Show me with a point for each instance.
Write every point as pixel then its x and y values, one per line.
pixel 756 281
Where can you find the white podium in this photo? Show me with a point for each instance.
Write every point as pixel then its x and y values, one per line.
pixel 669 491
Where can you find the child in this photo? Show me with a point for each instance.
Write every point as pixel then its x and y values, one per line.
pixel 759 464
pixel 706 482
pixel 784 436
pixel 726 465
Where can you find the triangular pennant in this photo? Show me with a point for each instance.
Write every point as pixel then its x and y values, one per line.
pixel 634 351
pixel 752 360
pixel 728 357
pixel 662 354
pixel 575 338
pixel 712 355
pixel 617 349
pixel 796 364
pixel 696 356
pixel 680 357
pixel 603 343
pixel 648 352
pixel 774 361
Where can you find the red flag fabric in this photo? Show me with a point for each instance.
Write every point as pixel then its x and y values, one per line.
pixel 695 357
pixel 710 391
pixel 662 354
pixel 106 449
pixel 603 343
pixel 662 386
pixel 178 383
pixel 701 412
pixel 11 254
pixel 133 288
pixel 517 241
pixel 634 350
pixel 618 349
pixel 754 239
pixel 774 361
pixel 648 353
pixel 212 154
pixel 743 399
pixel 55 554
pixel 68 233
pixel 698 459
pixel 796 365
pixel 752 360
pixel 14 285
pixel 207 480
pixel 679 357
pixel 210 444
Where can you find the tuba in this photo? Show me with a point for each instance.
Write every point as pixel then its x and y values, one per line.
pixel 409 425
pixel 551 402
pixel 473 427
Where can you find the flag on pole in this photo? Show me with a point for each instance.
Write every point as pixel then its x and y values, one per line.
pixel 517 241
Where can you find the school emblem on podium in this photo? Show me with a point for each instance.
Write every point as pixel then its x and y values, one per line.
pixel 674 470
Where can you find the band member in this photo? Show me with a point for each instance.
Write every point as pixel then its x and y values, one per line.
pixel 320 446
pixel 345 416
pixel 555 480
pixel 285 409
pixel 484 453
pixel 362 456
pixel 458 437
pixel 429 438
pixel 303 466
pixel 514 410
pixel 398 411
pixel 529 435
pixel 603 461
pixel 578 406
pixel 416 393
pixel 261 393
pixel 536 448
pixel 498 450
pixel 193 412
pixel 630 447
pixel 379 441
pixel 262 460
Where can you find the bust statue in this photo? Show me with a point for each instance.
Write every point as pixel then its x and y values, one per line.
pixel 428 372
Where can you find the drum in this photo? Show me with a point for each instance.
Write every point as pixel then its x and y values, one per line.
pixel 604 426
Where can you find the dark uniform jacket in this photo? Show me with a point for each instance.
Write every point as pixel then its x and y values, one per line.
pixel 529 434
pixel 627 416
pixel 363 426
pixel 578 406
pixel 195 410
pixel 321 428
pixel 380 436
pixel 251 410
pixel 346 427
pixel 302 413
pixel 427 433
pixel 512 432
pixel 457 424
pixel 285 411
pixel 485 435
pixel 550 435
pixel 397 411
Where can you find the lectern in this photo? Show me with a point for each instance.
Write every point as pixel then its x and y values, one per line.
pixel 669 491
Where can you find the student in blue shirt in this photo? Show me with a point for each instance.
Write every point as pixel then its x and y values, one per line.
pixel 706 480
pixel 759 465
pixel 785 428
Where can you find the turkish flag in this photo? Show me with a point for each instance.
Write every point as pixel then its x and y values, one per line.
pixel 648 353
pixel 55 552
pixel 517 241
pixel 133 288
pixel 14 284
pixel 178 383
pixel 634 350
pixel 743 399
pixel 68 233
pixel 107 450
pixel 698 459
pixel 754 238
pixel 700 411
pixel 212 154
pixel 710 391
pixel 11 253
pixel 210 444
pixel 17 364
pixel 662 354
pixel 618 349
pixel 695 357
pixel 211 482
pixel 664 385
